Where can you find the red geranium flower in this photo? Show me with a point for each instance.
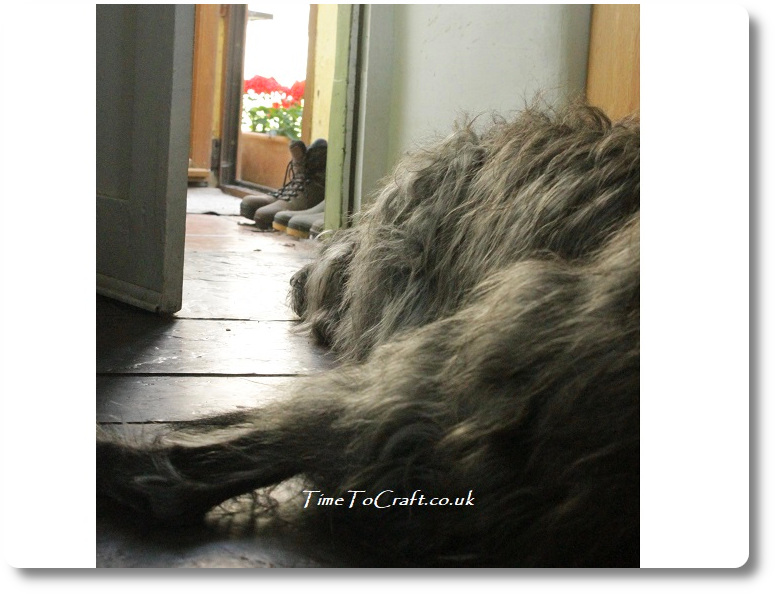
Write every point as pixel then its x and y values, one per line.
pixel 297 91
pixel 261 84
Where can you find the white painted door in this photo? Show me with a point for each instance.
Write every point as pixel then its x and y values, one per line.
pixel 144 77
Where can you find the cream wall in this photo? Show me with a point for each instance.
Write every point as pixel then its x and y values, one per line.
pixel 325 52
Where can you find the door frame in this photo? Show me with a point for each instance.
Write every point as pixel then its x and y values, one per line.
pixel 342 166
pixel 231 106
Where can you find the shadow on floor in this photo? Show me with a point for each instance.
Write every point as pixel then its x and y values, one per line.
pixel 233 345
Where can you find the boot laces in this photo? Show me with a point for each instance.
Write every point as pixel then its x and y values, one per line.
pixel 292 184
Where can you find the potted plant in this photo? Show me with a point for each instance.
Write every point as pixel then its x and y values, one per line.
pixel 271 118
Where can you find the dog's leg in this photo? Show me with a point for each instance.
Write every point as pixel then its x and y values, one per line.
pixel 183 473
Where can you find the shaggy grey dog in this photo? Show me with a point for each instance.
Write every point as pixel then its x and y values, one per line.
pixel 486 412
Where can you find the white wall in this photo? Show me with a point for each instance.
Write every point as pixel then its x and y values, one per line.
pixel 426 65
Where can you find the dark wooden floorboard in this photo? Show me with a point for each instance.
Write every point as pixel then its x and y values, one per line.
pixel 173 346
pixel 232 346
pixel 153 399
pixel 227 538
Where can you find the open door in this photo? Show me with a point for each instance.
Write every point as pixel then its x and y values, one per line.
pixel 144 74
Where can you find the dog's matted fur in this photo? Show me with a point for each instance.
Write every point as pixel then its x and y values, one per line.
pixel 486 311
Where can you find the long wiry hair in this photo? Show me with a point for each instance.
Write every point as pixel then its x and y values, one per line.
pixel 486 313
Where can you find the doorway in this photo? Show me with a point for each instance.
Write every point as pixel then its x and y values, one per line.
pixel 275 55
pixel 263 76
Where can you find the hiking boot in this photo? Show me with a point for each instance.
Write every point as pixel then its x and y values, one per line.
pixel 318 227
pixel 301 225
pixel 315 188
pixel 306 189
pixel 292 183
pixel 280 222
pixel 251 203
